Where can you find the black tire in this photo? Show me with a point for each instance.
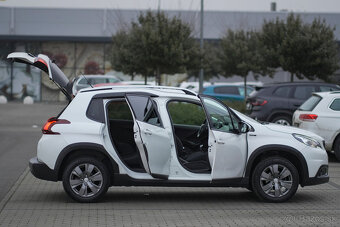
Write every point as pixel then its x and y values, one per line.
pixel 258 184
pixel 102 183
pixel 337 148
pixel 283 118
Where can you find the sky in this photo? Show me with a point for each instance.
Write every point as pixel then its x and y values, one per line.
pixel 220 5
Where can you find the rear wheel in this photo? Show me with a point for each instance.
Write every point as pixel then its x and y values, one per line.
pixel 282 120
pixel 275 179
pixel 337 148
pixel 86 179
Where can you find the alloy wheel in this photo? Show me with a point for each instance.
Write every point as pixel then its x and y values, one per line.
pixel 282 122
pixel 276 180
pixel 86 180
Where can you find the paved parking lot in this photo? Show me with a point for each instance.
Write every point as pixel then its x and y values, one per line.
pixel 33 202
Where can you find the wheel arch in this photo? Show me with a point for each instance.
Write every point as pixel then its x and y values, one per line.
pixel 88 149
pixel 290 153
pixel 335 138
pixel 279 113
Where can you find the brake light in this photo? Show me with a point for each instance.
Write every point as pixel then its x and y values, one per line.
pixel 47 128
pixel 259 102
pixel 308 117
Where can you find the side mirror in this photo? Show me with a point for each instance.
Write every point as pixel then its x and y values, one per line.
pixel 243 127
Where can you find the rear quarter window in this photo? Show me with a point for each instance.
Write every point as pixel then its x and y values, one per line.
pixel 310 103
pixel 335 105
pixel 303 92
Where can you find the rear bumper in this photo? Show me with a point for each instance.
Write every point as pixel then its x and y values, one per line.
pixel 320 178
pixel 42 171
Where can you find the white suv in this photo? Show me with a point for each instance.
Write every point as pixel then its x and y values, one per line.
pixel 321 114
pixel 164 136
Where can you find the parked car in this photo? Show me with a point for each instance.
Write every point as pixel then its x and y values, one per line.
pixel 165 136
pixel 321 114
pixel 85 81
pixel 227 92
pixel 277 102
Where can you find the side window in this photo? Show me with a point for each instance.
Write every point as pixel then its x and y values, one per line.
pixel 145 109
pixel 335 105
pixel 112 80
pixel 241 90
pixel 82 81
pixel 282 92
pixel 233 90
pixel 186 113
pixel 218 115
pixel 119 110
pixel 327 88
pixel 303 92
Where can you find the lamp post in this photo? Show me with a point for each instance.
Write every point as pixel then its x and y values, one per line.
pixel 201 75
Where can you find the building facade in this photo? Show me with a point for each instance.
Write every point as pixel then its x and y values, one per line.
pixel 79 40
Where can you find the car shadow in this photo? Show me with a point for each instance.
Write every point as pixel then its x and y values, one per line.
pixel 185 197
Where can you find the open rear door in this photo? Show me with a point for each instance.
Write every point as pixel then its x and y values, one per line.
pixel 151 137
pixel 45 64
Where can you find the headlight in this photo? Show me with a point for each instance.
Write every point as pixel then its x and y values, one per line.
pixel 307 140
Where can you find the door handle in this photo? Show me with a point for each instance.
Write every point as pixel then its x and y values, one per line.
pixel 147 132
pixel 219 141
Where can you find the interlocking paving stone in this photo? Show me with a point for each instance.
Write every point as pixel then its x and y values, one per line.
pixel 41 203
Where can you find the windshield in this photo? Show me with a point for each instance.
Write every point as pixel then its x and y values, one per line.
pixel 310 103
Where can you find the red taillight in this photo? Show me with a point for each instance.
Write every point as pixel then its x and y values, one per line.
pixel 46 129
pixel 308 117
pixel 259 102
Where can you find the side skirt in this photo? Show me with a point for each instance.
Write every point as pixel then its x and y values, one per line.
pixel 125 180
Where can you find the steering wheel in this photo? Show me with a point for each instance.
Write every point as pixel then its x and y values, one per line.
pixel 202 129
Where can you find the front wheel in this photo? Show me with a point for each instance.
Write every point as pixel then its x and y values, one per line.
pixel 275 179
pixel 86 179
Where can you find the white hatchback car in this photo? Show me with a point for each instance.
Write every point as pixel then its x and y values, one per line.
pixel 321 114
pixel 164 136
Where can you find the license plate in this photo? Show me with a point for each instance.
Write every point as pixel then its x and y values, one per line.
pixel 248 106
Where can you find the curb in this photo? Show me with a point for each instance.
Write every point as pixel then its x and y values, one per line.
pixel 13 189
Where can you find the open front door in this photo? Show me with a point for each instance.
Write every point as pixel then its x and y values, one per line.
pixel 45 64
pixel 150 136
pixel 227 146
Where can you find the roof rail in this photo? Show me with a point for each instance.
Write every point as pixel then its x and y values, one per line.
pixel 186 91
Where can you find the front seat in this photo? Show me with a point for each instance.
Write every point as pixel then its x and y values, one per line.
pixel 189 154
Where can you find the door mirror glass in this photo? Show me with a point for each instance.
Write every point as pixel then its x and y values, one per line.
pixel 243 127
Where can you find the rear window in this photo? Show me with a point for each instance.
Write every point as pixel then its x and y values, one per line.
pixel 335 105
pixel 310 103
pixel 328 88
pixel 227 90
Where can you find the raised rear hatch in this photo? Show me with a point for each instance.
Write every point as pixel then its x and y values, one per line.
pixel 44 63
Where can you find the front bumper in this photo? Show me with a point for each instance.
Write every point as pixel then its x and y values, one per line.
pixel 42 171
pixel 320 178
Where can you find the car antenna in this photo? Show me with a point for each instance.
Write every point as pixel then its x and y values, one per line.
pixel 87 80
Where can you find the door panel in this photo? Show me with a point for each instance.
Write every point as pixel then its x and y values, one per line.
pixel 156 144
pixel 227 147
pixel 229 155
pixel 151 138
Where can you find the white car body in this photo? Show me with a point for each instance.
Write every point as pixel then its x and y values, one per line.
pixel 238 149
pixel 327 122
